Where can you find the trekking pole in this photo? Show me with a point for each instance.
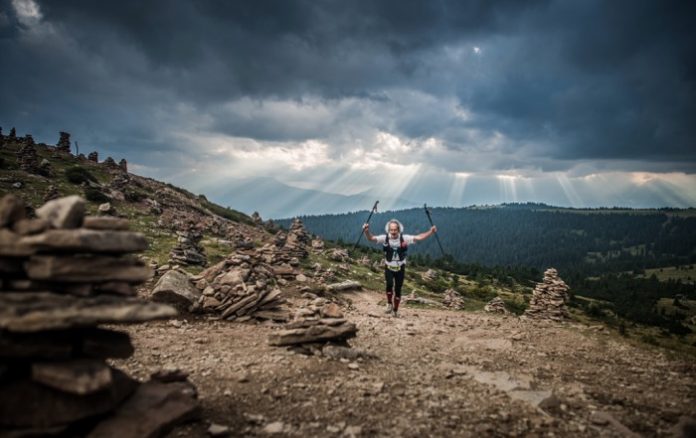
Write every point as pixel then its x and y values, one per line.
pixel 427 212
pixel 374 209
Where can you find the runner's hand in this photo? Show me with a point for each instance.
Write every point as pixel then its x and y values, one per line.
pixel 366 227
pixel 433 229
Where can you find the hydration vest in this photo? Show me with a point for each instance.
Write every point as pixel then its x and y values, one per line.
pixel 389 251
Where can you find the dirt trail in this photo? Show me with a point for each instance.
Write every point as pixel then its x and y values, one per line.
pixel 436 373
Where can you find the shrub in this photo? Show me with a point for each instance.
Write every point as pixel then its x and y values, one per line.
pixel 79 175
pixel 133 195
pixel 93 194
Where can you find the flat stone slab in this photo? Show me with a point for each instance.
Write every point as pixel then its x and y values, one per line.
pixel 316 333
pixel 30 405
pixel 153 409
pixel 36 311
pixel 87 269
pixel 10 246
pixel 65 344
pixel 80 376
pixel 105 223
pixel 86 240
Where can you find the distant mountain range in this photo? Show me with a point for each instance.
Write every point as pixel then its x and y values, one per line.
pixel 273 199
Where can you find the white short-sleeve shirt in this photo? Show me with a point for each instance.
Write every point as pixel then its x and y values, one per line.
pixel 395 243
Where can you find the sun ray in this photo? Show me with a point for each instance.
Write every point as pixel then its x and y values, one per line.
pixel 570 193
pixel 457 188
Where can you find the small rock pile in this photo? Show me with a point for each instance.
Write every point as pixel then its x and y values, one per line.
pixel 123 165
pixel 188 249
pixel 63 143
pixel 315 326
pixel 549 298
pixel 317 245
pixel 279 239
pixel 241 288
pixel 453 300
pixel 28 159
pixel 93 156
pixel 430 275
pixel 339 255
pixel 51 193
pixel 120 182
pixel 62 275
pixel 256 217
pixel 496 305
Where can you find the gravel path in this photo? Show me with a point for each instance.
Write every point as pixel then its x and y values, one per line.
pixel 436 373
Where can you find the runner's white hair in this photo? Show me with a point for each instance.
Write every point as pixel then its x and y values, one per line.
pixel 401 226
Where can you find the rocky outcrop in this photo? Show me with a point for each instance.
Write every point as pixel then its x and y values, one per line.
pixel 93 157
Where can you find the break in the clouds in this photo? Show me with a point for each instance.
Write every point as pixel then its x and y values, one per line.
pixel 459 101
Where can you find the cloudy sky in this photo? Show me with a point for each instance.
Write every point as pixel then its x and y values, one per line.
pixel 577 103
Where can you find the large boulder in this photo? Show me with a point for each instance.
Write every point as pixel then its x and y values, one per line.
pixel 65 212
pixel 175 288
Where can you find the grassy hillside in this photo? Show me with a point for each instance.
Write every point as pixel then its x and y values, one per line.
pixel 154 208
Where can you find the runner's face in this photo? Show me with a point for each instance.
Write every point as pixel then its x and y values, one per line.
pixel 393 229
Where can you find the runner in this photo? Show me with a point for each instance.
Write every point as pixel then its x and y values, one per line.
pixel 395 249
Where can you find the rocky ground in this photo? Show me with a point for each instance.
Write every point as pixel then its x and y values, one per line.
pixel 427 373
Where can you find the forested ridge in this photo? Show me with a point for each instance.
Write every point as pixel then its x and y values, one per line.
pixel 586 242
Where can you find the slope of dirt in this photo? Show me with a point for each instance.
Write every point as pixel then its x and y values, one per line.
pixel 436 373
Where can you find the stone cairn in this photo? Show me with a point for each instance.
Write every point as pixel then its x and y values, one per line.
pixel 313 327
pixel 256 217
pixel 93 156
pixel 496 305
pixel 27 158
pixel 453 300
pixel 63 143
pixel 63 274
pixel 188 249
pixel 110 163
pixel 297 240
pixel 123 165
pixel 549 298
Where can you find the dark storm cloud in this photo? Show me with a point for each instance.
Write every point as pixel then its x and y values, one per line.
pixel 577 80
